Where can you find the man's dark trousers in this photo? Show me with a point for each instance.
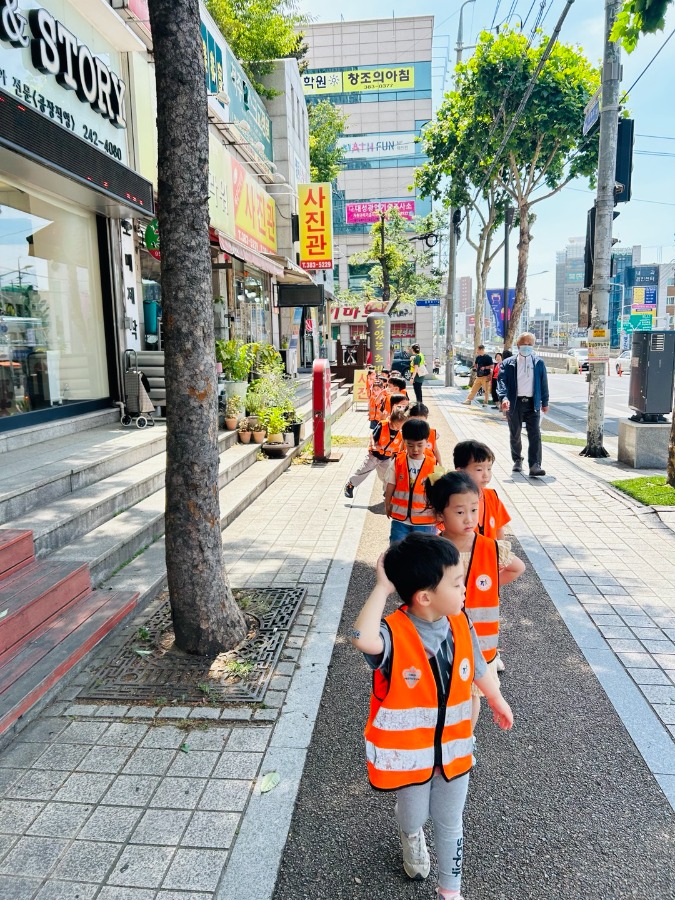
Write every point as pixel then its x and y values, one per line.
pixel 523 411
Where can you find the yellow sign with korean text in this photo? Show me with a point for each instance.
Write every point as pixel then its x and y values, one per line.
pixel 382 78
pixel 255 221
pixel 360 394
pixel 315 203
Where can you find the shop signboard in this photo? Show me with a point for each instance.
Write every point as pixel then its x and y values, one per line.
pixel 641 276
pixel 367 212
pixel 379 146
pixel 357 315
pixel 221 200
pixel 246 106
pixel 381 78
pixel 379 339
pixel 152 239
pixel 315 205
pixel 255 219
pixel 66 70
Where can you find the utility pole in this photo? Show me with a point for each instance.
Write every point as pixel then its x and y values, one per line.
pixel 508 222
pixel 452 246
pixel 604 215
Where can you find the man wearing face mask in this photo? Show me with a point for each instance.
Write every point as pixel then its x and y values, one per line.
pixel 522 388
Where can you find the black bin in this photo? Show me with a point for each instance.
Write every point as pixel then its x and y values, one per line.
pixel 652 373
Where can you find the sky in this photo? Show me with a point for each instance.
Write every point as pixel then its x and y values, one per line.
pixel 649 219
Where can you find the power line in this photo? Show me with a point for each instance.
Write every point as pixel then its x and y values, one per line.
pixel 650 61
pixel 494 17
pixel 658 137
pixel 632 200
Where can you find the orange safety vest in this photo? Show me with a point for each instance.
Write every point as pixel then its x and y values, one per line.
pixel 488 509
pixel 389 442
pixel 409 732
pixel 373 403
pixel 482 594
pixel 431 443
pixel 409 500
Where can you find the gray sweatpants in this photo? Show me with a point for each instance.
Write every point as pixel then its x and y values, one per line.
pixel 369 464
pixel 444 802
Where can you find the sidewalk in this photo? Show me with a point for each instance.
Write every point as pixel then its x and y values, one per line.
pixel 609 567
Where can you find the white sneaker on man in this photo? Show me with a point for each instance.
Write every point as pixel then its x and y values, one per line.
pixel 416 860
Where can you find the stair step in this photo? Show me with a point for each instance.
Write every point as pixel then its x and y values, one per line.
pixel 16 550
pixel 43 661
pixel 34 596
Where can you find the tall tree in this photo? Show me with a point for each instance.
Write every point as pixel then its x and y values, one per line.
pixel 639 17
pixel 326 124
pixel 260 31
pixel 206 619
pixel 543 154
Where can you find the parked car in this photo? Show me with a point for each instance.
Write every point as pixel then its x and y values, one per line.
pixel 623 362
pixel 577 358
pixel 462 370
pixel 401 363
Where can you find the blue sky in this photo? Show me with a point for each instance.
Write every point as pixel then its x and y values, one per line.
pixel 649 219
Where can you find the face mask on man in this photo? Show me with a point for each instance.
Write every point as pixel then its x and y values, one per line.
pixel 526 350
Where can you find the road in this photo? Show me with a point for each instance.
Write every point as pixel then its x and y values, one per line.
pixel 569 401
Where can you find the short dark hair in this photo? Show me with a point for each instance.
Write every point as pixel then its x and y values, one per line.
pixel 397 398
pixel 415 430
pixel 385 371
pixel 440 492
pixel 398 415
pixel 397 381
pixel 418 409
pixel 467 452
pixel 415 347
pixel 481 346
pixel 418 563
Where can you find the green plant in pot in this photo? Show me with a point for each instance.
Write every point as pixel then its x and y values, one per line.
pixel 244 432
pixel 233 409
pixel 294 425
pixel 275 423
pixel 236 359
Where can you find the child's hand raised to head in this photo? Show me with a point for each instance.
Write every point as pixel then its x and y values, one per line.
pixel 382 580
pixel 501 712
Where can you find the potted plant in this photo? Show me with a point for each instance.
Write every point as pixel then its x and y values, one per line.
pixel 233 408
pixel 275 423
pixel 244 433
pixel 294 426
pixel 258 431
pixel 236 359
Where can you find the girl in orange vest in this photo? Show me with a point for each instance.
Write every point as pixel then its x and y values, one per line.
pixel 385 443
pixel 476 459
pixel 488 564
pixel 425 658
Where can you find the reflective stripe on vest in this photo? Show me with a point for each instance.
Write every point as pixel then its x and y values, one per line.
pixel 409 501
pixel 482 594
pixel 407 732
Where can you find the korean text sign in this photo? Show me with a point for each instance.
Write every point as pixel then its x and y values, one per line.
pixel 383 78
pixel 316 225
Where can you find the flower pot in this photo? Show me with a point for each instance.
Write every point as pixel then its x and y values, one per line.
pixel 236 389
pixel 258 436
pixel 296 428
pixel 288 438
pixel 245 437
pixel 275 438
pixel 231 424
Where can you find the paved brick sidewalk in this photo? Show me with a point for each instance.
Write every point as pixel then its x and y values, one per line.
pixel 610 569
pixel 101 802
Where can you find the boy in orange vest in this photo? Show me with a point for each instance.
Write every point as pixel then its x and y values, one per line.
pixel 375 391
pixel 385 442
pixel 476 460
pixel 417 744
pixel 421 411
pixel 404 499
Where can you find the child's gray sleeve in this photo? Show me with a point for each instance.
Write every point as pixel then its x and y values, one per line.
pixel 479 664
pixel 380 660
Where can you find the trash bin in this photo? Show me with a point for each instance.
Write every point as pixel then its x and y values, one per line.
pixel 151 312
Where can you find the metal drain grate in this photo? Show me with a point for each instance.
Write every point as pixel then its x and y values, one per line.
pixel 240 676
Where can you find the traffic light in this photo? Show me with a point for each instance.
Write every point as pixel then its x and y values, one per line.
pixel 589 248
pixel 624 160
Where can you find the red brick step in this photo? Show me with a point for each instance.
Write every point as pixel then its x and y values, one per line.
pixel 34 595
pixel 39 663
pixel 16 550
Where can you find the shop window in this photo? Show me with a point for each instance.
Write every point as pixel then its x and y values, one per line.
pixel 52 341
pixel 251 306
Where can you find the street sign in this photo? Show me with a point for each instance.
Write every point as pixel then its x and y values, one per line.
pixel 592 112
pixel 427 302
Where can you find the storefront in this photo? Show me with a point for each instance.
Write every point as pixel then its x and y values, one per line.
pixel 64 188
pixel 349 323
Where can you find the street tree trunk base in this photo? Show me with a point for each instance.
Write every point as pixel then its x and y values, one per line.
pixel 594 452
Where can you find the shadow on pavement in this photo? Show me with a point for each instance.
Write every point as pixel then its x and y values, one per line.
pixel 563 807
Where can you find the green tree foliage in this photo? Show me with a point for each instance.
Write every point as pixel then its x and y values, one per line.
pixel 326 124
pixel 259 31
pixel 401 269
pixel 545 151
pixel 639 17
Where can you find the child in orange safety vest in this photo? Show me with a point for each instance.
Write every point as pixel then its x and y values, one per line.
pixel 404 499
pixel 476 459
pixel 488 564
pixel 421 411
pixel 425 659
pixel 385 442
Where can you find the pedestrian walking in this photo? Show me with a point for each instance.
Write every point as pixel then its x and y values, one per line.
pixel 483 365
pixel 522 388
pixel 495 376
pixel 419 371
pixel 487 564
pixel 404 499
pixel 425 659
pixel 385 443
pixel 420 411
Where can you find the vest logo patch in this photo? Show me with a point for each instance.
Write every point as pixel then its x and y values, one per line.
pixel 492 522
pixel 464 669
pixel 411 676
pixel 483 582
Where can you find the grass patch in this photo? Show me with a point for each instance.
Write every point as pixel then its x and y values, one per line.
pixel 464 387
pixel 560 439
pixel 651 490
pixel 343 440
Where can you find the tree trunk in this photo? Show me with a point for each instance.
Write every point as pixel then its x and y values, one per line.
pixel 479 308
pixel 205 616
pixel 670 474
pixel 524 239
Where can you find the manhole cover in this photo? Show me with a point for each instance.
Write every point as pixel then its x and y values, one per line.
pixel 149 666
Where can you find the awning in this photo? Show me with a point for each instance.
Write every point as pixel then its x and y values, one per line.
pixel 292 274
pixel 241 251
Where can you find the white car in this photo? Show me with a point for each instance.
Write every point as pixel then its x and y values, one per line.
pixel 623 362
pixel 577 359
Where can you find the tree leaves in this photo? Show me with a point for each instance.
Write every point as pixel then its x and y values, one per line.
pixel 326 124
pixel 638 17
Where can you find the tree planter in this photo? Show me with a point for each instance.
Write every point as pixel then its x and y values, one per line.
pixel 275 449
pixel 245 437
pixel 258 437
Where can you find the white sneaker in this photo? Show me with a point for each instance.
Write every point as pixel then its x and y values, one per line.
pixel 500 664
pixel 448 895
pixel 416 860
